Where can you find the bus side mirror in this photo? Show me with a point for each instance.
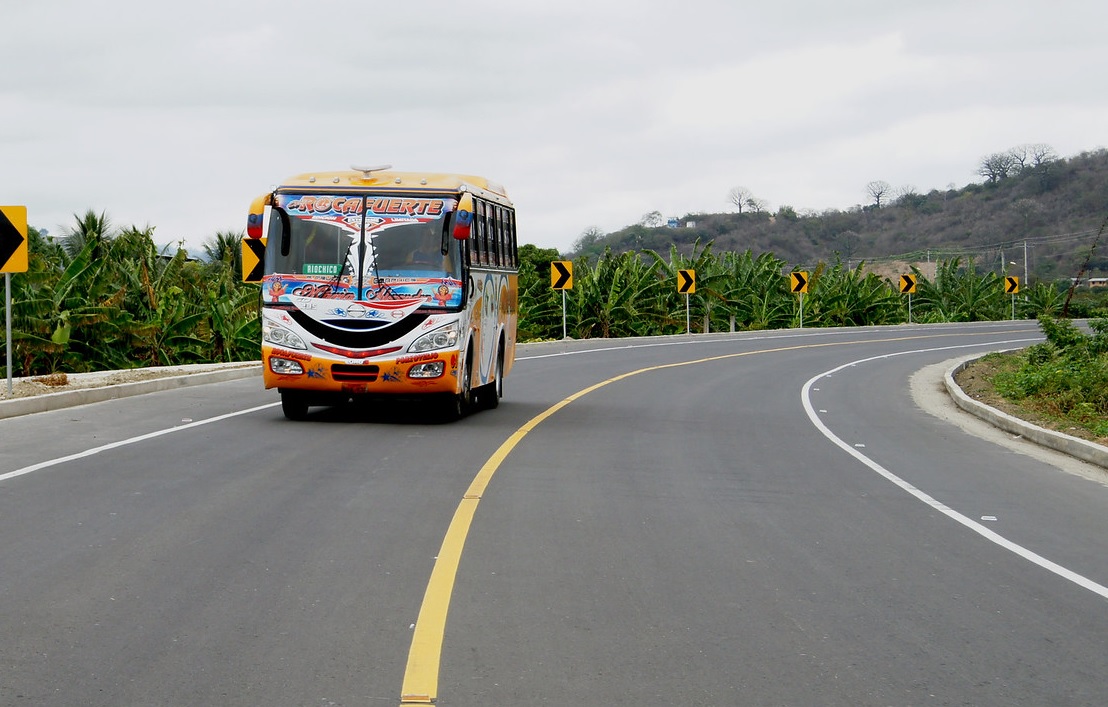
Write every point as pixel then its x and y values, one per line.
pixel 262 207
pixel 255 221
pixel 463 217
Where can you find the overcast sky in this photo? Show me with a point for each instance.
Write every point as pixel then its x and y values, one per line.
pixel 591 113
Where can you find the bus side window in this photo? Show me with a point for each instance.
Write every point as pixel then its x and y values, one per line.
pixel 475 239
pixel 494 234
pixel 509 252
pixel 486 227
pixel 479 246
pixel 513 255
pixel 505 250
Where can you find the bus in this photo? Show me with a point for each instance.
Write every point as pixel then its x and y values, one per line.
pixel 380 284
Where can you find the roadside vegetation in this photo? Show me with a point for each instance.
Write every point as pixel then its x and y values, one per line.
pixel 635 294
pixel 101 298
pixel 1063 380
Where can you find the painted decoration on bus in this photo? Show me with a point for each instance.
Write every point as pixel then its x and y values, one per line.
pixel 407 259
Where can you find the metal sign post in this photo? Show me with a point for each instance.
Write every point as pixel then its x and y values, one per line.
pixel 8 325
pixel 563 314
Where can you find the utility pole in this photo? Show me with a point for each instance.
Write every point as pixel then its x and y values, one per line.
pixel 1025 262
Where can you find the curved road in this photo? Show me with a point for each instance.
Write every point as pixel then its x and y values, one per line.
pixel 756 519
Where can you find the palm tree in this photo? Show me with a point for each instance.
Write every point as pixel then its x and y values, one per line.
pixel 225 247
pixel 90 230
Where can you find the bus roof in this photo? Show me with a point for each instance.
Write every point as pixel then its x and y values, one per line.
pixel 383 178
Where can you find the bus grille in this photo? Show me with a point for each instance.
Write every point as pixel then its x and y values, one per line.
pixel 346 372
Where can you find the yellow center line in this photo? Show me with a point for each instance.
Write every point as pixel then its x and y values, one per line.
pixel 421 676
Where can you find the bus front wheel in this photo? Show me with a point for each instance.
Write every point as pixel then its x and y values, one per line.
pixel 462 402
pixel 294 405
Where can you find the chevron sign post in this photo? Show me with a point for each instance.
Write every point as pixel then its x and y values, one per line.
pixel 13 258
pixel 561 278
pixel 798 284
pixel 686 284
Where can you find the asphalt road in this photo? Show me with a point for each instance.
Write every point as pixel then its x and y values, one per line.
pixel 752 519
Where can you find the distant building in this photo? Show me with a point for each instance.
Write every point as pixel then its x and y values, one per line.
pixel 1090 281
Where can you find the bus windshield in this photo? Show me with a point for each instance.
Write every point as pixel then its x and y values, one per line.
pixel 364 248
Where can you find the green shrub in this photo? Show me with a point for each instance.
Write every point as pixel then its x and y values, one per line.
pixel 1064 377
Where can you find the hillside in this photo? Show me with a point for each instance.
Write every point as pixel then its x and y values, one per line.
pixel 1055 206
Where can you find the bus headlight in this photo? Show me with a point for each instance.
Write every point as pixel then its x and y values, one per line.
pixel 285 367
pixel 280 336
pixel 433 369
pixel 444 337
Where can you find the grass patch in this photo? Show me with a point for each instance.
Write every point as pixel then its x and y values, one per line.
pixel 1064 379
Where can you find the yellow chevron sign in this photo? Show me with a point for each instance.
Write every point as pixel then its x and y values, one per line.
pixel 799 281
pixel 13 239
pixel 686 281
pixel 253 256
pixel 907 284
pixel 561 274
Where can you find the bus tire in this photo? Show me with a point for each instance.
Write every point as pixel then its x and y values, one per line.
pixel 294 405
pixel 461 403
pixel 494 391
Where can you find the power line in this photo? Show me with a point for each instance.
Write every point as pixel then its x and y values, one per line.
pixel 944 253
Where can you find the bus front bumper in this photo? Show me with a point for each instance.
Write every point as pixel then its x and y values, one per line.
pixel 411 374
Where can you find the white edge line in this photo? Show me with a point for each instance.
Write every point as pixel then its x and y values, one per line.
pixel 124 442
pixel 973 525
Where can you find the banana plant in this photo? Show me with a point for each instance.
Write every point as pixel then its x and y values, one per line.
pixel 958 294
pixel 844 296
pixel 59 317
pixel 710 285
pixel 755 291
pixel 614 297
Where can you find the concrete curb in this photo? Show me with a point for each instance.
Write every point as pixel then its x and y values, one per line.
pixel 84 396
pixel 1058 441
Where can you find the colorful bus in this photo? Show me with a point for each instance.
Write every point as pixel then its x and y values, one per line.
pixel 379 284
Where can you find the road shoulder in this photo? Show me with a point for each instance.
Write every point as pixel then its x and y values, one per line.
pixel 934 391
pixel 85 388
